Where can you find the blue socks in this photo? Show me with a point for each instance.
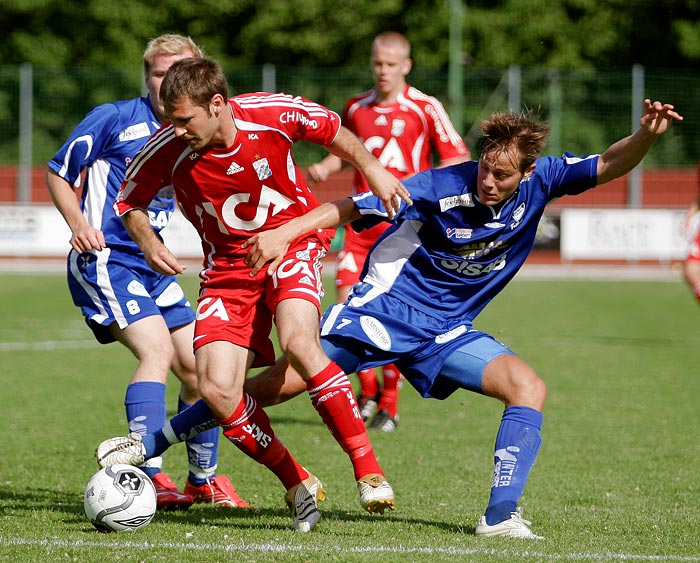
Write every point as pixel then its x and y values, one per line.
pixel 202 449
pixel 145 413
pixel 517 443
pixel 185 425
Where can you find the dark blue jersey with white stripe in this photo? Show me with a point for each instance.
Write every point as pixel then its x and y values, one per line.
pixel 447 254
pixel 103 144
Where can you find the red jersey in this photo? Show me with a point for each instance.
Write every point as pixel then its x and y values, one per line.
pixel 404 134
pixel 231 193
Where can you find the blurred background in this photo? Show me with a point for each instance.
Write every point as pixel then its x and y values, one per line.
pixel 583 65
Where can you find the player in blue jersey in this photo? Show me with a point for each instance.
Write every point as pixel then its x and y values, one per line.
pixel 121 297
pixel 469 229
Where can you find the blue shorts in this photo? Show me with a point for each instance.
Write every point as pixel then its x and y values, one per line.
pixel 116 287
pixel 437 356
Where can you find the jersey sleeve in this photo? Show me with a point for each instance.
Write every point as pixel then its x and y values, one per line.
pixel 444 136
pixel 372 209
pixel 146 175
pixel 568 175
pixel 308 121
pixel 86 143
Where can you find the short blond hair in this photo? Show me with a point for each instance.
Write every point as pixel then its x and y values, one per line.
pixel 392 39
pixel 168 44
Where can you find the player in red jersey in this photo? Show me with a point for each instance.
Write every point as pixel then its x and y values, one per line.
pixel 121 298
pixel 231 166
pixel 402 127
pixel 691 266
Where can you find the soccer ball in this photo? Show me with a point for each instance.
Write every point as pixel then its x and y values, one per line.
pixel 120 498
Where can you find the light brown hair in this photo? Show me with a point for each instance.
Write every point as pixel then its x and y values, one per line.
pixel 514 130
pixel 197 78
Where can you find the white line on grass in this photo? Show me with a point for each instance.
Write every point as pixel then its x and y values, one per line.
pixel 284 548
pixel 47 345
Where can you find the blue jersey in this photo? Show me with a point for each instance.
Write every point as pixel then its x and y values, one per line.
pixel 448 255
pixel 103 144
pixel 116 285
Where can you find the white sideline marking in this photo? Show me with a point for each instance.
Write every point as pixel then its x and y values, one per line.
pixel 47 345
pixel 282 548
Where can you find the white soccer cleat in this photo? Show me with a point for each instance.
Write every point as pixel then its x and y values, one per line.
pixel 302 500
pixel 368 406
pixel 122 449
pixel 384 421
pixel 515 527
pixel 376 494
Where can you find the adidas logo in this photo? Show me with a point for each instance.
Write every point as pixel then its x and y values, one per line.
pixel 234 169
pixel 381 120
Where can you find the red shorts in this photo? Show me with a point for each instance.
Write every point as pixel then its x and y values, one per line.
pixel 355 250
pixel 242 311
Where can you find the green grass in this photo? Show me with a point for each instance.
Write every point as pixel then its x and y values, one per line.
pixel 616 478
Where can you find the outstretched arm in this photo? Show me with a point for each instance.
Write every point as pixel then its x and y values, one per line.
pixel 382 182
pixel 272 245
pixel 158 256
pixel 625 154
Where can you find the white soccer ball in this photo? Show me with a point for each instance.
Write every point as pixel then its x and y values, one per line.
pixel 120 498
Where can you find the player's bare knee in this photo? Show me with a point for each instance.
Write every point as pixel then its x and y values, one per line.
pixel 537 393
pixel 292 345
pixel 153 368
pixel 514 382
pixel 527 389
pixel 303 353
pixel 187 375
pixel 158 355
pixel 214 394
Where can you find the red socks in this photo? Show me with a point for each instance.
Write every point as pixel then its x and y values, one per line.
pixel 369 386
pixel 249 429
pixel 331 395
pixel 389 400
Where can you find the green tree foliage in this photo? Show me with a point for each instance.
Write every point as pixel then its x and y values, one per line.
pixel 88 52
pixel 328 33
pixel 583 33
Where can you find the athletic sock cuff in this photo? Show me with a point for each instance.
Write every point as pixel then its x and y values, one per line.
pixel 524 415
pixel 144 392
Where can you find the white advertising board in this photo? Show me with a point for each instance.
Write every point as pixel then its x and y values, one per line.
pixel 39 230
pixel 622 234
pixel 33 230
pixel 586 234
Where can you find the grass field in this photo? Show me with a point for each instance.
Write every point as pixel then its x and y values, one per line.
pixel 616 480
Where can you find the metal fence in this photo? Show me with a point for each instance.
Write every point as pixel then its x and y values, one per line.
pixel 588 109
